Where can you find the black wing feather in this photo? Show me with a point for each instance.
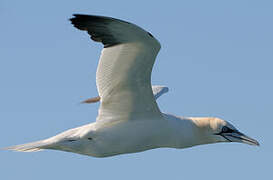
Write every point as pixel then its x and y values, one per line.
pixel 98 27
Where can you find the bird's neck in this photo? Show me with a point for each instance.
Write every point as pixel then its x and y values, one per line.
pixel 187 131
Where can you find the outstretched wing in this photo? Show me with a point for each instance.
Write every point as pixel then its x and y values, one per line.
pixel 157 91
pixel 123 75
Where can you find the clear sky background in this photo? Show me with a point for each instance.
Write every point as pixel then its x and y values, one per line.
pixel 216 58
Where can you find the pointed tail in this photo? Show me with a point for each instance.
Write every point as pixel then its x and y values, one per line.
pixel 29 147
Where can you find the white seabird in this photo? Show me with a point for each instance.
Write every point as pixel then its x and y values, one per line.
pixel 129 119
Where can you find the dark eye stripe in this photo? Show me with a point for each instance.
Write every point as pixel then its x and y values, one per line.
pixel 226 129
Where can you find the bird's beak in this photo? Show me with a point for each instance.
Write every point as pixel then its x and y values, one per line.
pixel 237 136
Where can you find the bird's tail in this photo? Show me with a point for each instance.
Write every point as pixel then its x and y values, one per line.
pixel 29 147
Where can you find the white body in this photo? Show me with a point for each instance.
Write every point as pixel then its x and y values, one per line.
pixel 119 137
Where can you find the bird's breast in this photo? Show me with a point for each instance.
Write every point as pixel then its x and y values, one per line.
pixel 129 137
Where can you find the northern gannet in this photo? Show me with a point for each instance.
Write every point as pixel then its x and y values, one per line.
pixel 129 119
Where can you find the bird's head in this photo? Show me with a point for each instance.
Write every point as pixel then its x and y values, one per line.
pixel 218 130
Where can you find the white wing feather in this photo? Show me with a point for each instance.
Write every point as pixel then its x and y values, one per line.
pixel 124 72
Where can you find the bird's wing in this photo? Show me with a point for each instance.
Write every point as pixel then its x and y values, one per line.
pixel 157 91
pixel 123 75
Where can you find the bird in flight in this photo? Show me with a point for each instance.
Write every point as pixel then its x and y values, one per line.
pixel 129 119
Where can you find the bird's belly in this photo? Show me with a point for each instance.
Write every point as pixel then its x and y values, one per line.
pixel 128 137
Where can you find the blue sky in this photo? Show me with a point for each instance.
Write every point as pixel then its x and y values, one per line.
pixel 216 58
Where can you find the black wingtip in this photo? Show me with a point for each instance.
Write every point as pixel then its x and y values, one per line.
pixel 97 27
pixel 78 17
pixel 79 21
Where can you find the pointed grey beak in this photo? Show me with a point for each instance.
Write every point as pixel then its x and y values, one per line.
pixel 237 136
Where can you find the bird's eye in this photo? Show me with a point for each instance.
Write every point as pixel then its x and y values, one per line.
pixel 226 129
